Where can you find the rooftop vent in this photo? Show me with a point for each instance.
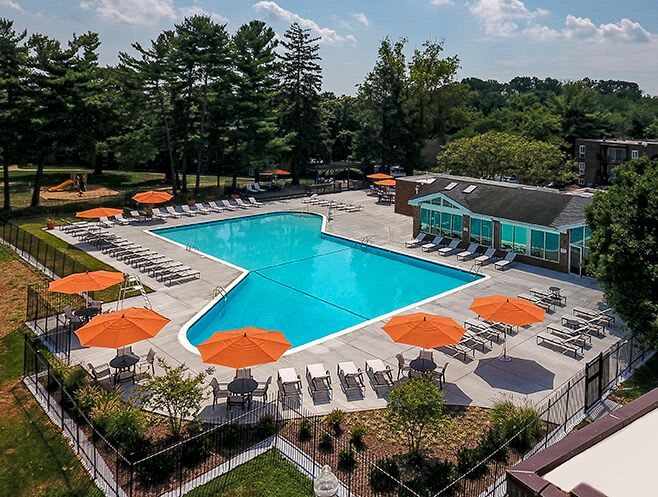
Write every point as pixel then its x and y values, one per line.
pixel 450 186
pixel 470 188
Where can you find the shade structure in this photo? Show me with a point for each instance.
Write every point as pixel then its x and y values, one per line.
pixel 508 310
pixel 243 347
pixel 120 328
pixel 385 182
pixel 86 282
pixel 276 172
pixel 152 197
pixel 98 212
pixel 424 330
pixel 379 176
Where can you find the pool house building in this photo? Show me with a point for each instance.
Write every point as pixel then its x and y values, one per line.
pixel 544 226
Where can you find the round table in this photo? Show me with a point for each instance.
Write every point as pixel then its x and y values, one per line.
pixel 555 290
pixel 87 312
pixel 124 362
pixel 242 386
pixel 422 365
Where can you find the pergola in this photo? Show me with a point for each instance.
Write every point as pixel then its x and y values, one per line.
pixel 336 166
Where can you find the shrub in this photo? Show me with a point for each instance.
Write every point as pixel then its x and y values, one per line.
pixel 230 436
pixel 122 423
pixel 416 485
pixel 346 460
pixel 384 476
pixel 90 396
pixel 326 442
pixel 156 469
pixel 521 422
pixel 75 378
pixel 439 474
pixel 356 435
pixel 334 420
pixel 492 445
pixel 266 427
pixel 467 459
pixel 198 446
pixel 305 430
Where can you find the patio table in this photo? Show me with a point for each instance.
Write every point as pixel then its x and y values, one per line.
pixel 87 313
pixel 121 364
pixel 243 386
pixel 422 365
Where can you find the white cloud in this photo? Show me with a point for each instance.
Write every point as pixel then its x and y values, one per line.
pixel 441 3
pixel 582 28
pixel 326 35
pixel 195 10
pixel 501 18
pixel 361 18
pixel 135 12
pixel 541 33
pixel 10 4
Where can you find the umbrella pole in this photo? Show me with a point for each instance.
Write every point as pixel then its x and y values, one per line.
pixel 504 357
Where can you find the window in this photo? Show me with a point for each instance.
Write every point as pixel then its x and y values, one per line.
pixel 635 154
pixel 616 154
pixel 581 151
pixel 545 245
pixel 425 220
pixel 581 168
pixel 449 204
pixel 481 230
pixel 437 222
pixel 552 247
pixel 513 237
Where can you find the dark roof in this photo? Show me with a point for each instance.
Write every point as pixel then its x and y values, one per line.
pixel 526 204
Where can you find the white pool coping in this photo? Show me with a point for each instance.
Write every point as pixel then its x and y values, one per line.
pixel 182 333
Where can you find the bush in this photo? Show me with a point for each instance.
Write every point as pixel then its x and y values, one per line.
pixel 121 423
pixel 346 460
pixel 521 422
pixel 266 427
pixel 492 445
pixel 356 435
pixel 326 442
pixel 416 485
pixel 439 474
pixel 198 446
pixel 334 420
pixel 89 397
pixel 230 436
pixel 467 459
pixel 384 476
pixel 305 430
pixel 74 379
pixel 156 469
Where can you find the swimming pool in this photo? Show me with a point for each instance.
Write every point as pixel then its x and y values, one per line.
pixel 303 282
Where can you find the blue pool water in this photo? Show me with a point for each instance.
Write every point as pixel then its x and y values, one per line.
pixel 305 283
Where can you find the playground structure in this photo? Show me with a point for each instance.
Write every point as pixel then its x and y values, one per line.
pixel 73 183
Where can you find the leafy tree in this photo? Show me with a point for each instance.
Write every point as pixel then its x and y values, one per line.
pixel 177 392
pixel 301 80
pixel 413 407
pixel 624 245
pixel 341 116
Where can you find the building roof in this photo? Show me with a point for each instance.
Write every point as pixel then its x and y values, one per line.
pixel 619 141
pixel 522 203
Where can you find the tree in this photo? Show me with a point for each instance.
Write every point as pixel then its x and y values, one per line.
pixel 341 116
pixel 177 392
pixel 299 111
pixel 624 245
pixel 414 407
pixel 492 155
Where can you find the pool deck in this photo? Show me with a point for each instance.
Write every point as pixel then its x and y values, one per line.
pixel 532 374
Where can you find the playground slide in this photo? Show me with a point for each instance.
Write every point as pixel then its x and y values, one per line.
pixel 61 186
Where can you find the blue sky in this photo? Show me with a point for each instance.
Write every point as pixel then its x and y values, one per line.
pixel 493 38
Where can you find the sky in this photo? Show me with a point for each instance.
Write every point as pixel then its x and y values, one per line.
pixel 494 39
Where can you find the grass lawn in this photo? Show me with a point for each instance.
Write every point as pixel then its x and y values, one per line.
pixel 642 381
pixel 35 460
pixel 268 475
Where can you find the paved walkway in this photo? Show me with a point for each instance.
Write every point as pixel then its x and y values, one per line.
pixel 532 374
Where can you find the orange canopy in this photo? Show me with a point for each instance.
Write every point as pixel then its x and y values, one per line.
pixel 243 347
pixel 86 282
pixel 152 197
pixel 508 310
pixel 98 212
pixel 424 330
pixel 385 182
pixel 380 176
pixel 120 328
pixel 277 172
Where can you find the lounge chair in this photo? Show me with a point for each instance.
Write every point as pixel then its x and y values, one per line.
pixel 564 343
pixel 350 377
pixel 119 219
pixel 136 216
pixel 162 213
pixel 187 211
pixel 241 204
pixel 599 315
pixel 579 334
pixel 219 391
pixel 450 249
pixel 403 367
pixel 262 388
pixel 538 301
pixel 578 322
pixel 289 383
pixel 258 188
pixel 547 295
pixel 486 258
pixel 379 373
pixel 319 379
pixel 468 253
pixel 250 188
pixel 202 209
pixel 416 242
pixel 505 262
pixel 255 202
pixel 433 245
pixel 105 222
pixel 228 205
pixel 216 206
pixel 175 214
pixel 310 200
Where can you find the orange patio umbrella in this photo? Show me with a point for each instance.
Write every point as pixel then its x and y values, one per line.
pixel 98 212
pixel 385 182
pixel 86 282
pixel 379 176
pixel 424 330
pixel 152 197
pixel 120 328
pixel 277 172
pixel 243 347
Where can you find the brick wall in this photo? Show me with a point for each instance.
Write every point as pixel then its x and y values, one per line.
pixel 404 191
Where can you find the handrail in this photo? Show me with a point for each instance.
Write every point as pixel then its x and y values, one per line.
pixel 192 246
pixel 217 291
pixel 475 269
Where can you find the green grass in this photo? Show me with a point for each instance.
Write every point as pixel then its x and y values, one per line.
pixel 268 475
pixel 35 460
pixel 643 380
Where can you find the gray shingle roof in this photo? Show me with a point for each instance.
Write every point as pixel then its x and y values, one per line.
pixel 539 206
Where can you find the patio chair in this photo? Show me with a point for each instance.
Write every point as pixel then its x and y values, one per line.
pixel 450 249
pixel 505 262
pixel 100 372
pixel 187 211
pixel 440 375
pixel 380 374
pixel 127 350
pixel 70 317
pixel 426 354
pixel 175 214
pixel 319 379
pixel 240 401
pixel 255 202
pixel 219 391
pixel 241 204
pixel 289 383
pixel 227 205
pixel 468 253
pixel 147 363
pixel 262 388
pixel 485 259
pixel 416 242
pixel 250 188
pixel 243 374
pixel 350 377
pixel 403 367
pixel 433 245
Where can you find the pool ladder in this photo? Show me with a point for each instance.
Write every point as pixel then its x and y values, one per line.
pixel 366 240
pixel 192 246
pixel 475 269
pixel 217 291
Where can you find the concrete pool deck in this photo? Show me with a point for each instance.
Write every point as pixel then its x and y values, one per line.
pixel 534 372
